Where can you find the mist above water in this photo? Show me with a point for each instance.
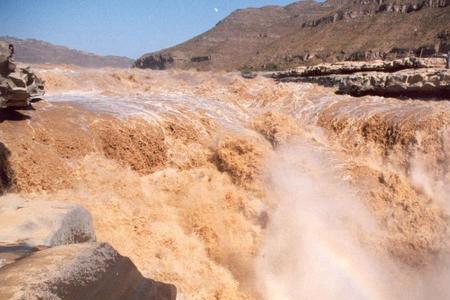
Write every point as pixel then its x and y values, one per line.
pixel 322 240
pixel 314 248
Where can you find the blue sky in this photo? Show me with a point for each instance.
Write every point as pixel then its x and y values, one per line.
pixel 118 27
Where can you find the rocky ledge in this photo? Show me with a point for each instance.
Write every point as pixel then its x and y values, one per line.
pixel 48 251
pixel 351 67
pixel 427 83
pixel 411 77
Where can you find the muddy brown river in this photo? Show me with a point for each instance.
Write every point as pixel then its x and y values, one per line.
pixel 246 189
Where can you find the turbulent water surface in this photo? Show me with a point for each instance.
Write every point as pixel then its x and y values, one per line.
pixel 246 189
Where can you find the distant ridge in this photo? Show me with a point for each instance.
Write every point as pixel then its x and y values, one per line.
pixel 40 52
pixel 309 32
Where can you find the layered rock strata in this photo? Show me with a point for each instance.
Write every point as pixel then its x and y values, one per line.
pixel 409 77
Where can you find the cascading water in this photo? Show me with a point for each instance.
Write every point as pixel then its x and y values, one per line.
pixel 236 189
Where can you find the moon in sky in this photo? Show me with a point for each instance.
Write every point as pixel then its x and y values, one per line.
pixel 216 9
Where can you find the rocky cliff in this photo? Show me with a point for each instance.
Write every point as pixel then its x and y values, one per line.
pixel 308 32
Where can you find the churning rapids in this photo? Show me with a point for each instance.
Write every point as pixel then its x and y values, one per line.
pixel 246 189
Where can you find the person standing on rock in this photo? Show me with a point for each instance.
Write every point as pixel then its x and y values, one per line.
pixel 11 51
pixel 10 60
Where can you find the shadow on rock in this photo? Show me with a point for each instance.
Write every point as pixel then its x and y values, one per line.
pixel 10 253
pixel 13 115
pixel 414 95
pixel 6 173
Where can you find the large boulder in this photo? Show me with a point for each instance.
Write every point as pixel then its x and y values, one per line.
pixel 28 225
pixel 88 271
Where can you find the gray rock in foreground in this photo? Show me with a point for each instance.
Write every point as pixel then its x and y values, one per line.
pixel 85 271
pixel 43 223
pixel 29 225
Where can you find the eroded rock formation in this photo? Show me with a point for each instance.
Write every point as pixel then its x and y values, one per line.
pixel 413 83
pixel 410 77
pixel 351 67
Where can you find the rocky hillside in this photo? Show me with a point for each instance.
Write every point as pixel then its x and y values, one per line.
pixel 40 52
pixel 309 32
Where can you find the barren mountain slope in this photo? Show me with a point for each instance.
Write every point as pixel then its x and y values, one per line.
pixel 40 52
pixel 368 37
pixel 308 32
